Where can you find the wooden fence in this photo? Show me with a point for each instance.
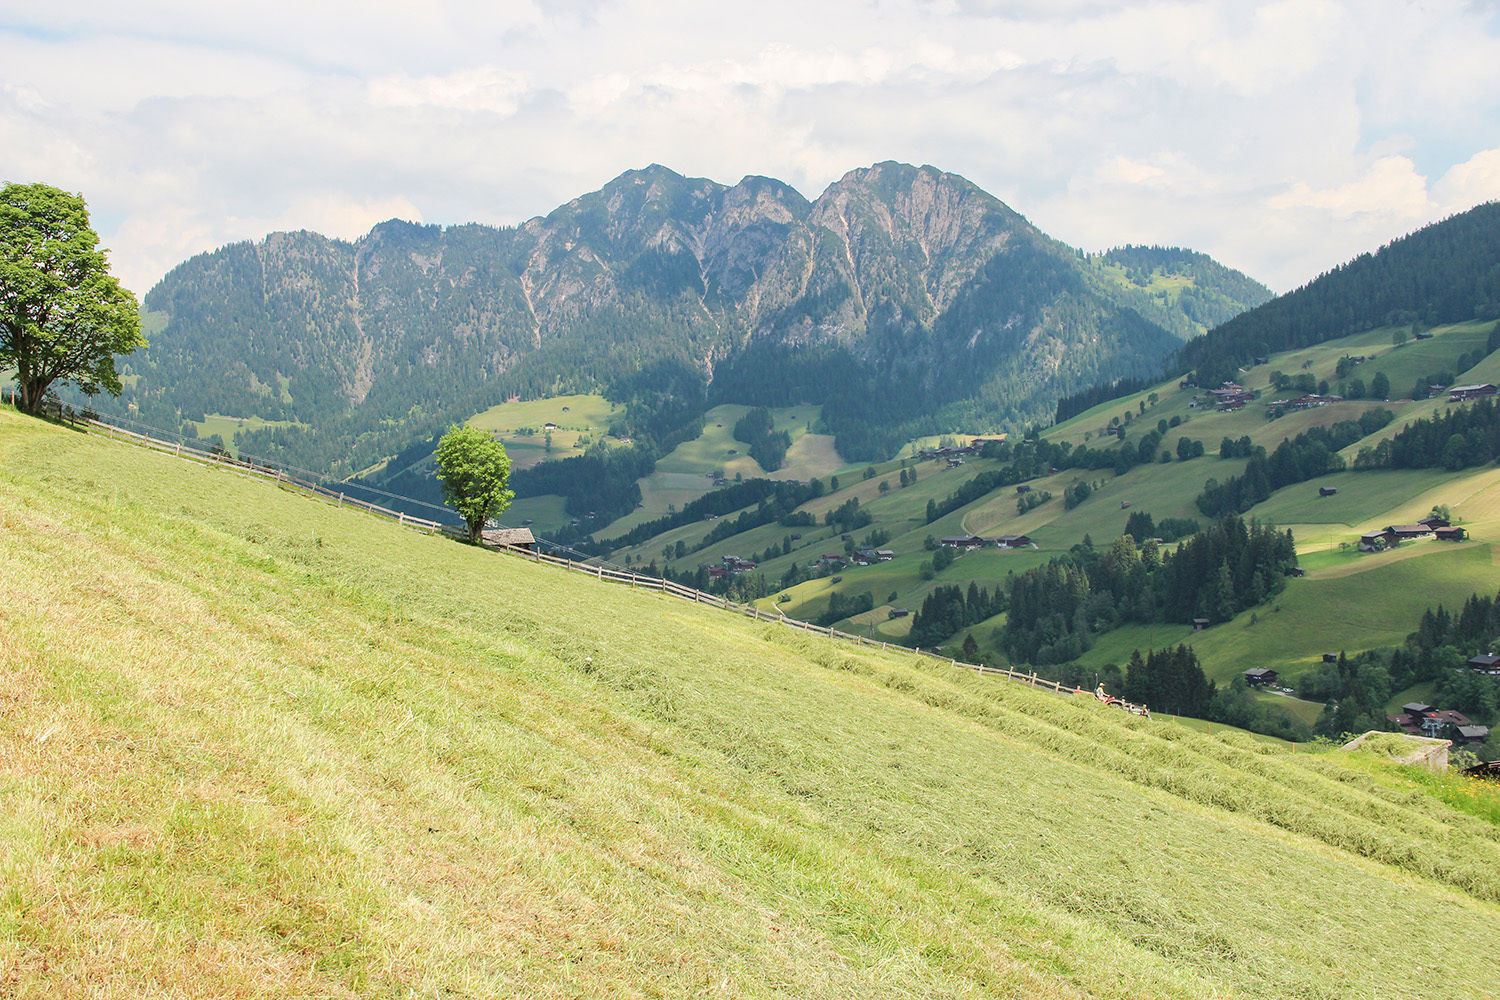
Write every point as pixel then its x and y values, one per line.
pixel 597 571
pixel 269 473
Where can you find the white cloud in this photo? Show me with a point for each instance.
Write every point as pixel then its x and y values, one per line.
pixel 1470 183
pixel 1391 186
pixel 1281 136
pixel 483 88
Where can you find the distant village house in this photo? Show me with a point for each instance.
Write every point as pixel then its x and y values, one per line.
pixel 1258 676
pixel 1464 393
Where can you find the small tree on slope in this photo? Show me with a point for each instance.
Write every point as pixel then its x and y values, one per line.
pixel 474 469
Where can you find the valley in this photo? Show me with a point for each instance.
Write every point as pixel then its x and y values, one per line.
pixel 1348 601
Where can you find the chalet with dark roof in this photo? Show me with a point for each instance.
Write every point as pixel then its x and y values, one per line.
pixel 1485 663
pixel 1015 542
pixel 1258 676
pixel 964 542
pixel 1327 491
pixel 1464 393
pixel 1408 532
pixel 1452 533
pixel 1464 735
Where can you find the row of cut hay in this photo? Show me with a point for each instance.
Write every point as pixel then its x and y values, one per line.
pixel 1426 838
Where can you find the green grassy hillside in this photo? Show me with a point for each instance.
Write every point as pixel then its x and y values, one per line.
pixel 548 429
pixel 252 745
pixel 688 471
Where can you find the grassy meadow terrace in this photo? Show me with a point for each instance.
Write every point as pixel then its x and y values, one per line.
pixel 687 472
pixel 227 427
pixel 1402 366
pixel 577 421
pixel 254 746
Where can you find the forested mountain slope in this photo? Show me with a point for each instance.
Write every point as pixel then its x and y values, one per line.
pixel 903 300
pixel 303 753
pixel 1443 273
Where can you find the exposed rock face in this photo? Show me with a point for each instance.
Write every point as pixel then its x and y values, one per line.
pixel 903 299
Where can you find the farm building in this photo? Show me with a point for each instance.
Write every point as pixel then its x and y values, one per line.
pixel 1375 541
pixel 1199 624
pixel 1434 522
pixel 1256 676
pixel 1464 393
pixel 1485 663
pixel 1014 542
pixel 964 542
pixel 1327 491
pixel 509 538
pixel 1407 532
pixel 1463 735
pixel 1451 534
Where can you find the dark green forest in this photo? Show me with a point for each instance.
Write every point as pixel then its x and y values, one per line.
pixel 1443 273
pixel 1054 611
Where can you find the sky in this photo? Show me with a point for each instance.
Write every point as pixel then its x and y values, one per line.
pixel 1283 138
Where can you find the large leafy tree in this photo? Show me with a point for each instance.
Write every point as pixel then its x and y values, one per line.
pixel 63 317
pixel 473 468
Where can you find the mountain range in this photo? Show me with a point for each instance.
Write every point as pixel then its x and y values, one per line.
pixel 904 300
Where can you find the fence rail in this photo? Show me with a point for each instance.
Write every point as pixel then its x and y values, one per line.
pixel 287 481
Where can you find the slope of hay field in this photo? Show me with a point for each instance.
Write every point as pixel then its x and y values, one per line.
pixel 255 746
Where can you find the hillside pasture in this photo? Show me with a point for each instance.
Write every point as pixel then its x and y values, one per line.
pixel 1417 359
pixel 227 427
pixel 685 474
pixel 1386 496
pixel 1373 604
pixel 254 745
pixel 547 513
pixel 579 421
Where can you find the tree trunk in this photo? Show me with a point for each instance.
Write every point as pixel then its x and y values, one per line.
pixel 33 393
pixel 476 532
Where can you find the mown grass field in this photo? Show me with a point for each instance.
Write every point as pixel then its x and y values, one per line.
pixel 579 421
pixel 228 427
pixel 687 472
pixel 1328 612
pixel 252 745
